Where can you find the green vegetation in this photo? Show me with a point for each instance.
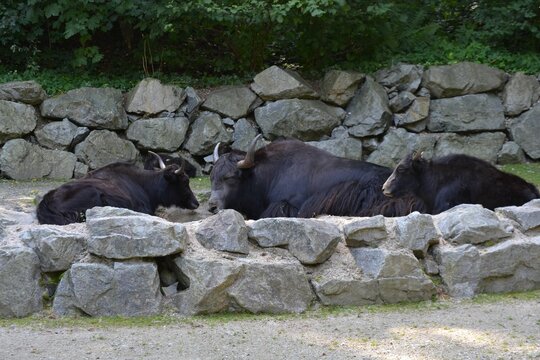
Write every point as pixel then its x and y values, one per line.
pixel 200 183
pixel 529 172
pixel 66 44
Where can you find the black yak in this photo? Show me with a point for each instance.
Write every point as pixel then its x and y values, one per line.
pixel 120 185
pixel 457 179
pixel 291 179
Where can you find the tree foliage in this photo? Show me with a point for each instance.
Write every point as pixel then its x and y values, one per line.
pixel 237 36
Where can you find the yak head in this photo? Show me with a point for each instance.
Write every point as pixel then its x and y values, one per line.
pixel 227 175
pixel 405 178
pixel 176 190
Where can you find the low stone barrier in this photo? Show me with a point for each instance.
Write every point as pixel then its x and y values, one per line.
pixel 125 263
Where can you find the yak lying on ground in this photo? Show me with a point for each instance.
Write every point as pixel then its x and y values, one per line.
pixel 120 185
pixel 457 179
pixel 289 178
pixel 152 163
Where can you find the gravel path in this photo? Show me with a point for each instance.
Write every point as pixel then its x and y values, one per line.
pixel 505 329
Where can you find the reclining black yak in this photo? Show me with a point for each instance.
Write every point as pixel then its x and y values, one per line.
pixel 457 179
pixel 288 178
pixel 120 185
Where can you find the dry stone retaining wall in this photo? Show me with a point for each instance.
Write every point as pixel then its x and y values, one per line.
pixel 462 108
pixel 125 263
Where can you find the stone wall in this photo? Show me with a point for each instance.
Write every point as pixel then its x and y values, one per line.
pixel 125 263
pixel 462 108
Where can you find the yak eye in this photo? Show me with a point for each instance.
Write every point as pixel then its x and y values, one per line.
pixel 400 170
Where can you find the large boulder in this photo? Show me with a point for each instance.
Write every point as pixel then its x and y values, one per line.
pixel 399 142
pixel 10 217
pixel 311 241
pixel 346 147
pixel 418 111
pixel 260 285
pixel 103 147
pixel 368 112
pixel 60 135
pixel 165 134
pixel 206 131
pixel 99 288
pixel 16 120
pixel 275 83
pixel 481 112
pixel 192 103
pixel 527 217
pixel 524 131
pixel 234 102
pixel 365 231
pixel 459 268
pixel 151 97
pixel 100 108
pixel 520 93
pixel 244 132
pixel 225 231
pixel 21 160
pixel 510 153
pixel 126 236
pixel 485 146
pixel 28 92
pixel 470 224
pixel 417 233
pixel 404 77
pixel 302 119
pixel 57 247
pixel 20 290
pixel 338 87
pixel 462 79
pixel 512 265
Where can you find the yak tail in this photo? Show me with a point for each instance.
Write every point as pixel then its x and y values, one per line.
pixel 355 198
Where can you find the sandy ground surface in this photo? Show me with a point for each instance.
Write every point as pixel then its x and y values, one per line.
pixel 504 329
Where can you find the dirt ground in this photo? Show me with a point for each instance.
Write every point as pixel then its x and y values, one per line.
pixel 501 329
pixel 505 327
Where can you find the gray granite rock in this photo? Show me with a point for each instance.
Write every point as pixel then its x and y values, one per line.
pixel 152 97
pixel 28 92
pixel 244 132
pixel 56 246
pixel 524 131
pixel 470 224
pixel 109 289
pixel 368 113
pixel 16 120
pixel 365 232
pixel 338 87
pixel 404 77
pixel 418 111
pixel 21 160
pixel 275 83
pixel 164 134
pixel 92 107
pixel 20 290
pixel 520 93
pixel 225 231
pixel 346 147
pixel 461 79
pixel 510 153
pixel 417 233
pixel 527 216
pixel 103 147
pixel 206 131
pixel 117 236
pixel 459 268
pixel 302 119
pixel 60 135
pixel 401 101
pixel 485 146
pixel 234 101
pixel 480 112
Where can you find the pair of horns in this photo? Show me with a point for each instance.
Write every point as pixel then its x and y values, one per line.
pixel 248 161
pixel 163 166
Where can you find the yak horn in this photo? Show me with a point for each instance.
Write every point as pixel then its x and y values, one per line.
pixel 417 155
pixel 161 163
pixel 216 153
pixel 249 160
pixel 181 170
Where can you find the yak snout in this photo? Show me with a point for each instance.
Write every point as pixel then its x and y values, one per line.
pixel 386 186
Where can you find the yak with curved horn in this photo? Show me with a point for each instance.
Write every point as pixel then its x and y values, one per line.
pixel 290 178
